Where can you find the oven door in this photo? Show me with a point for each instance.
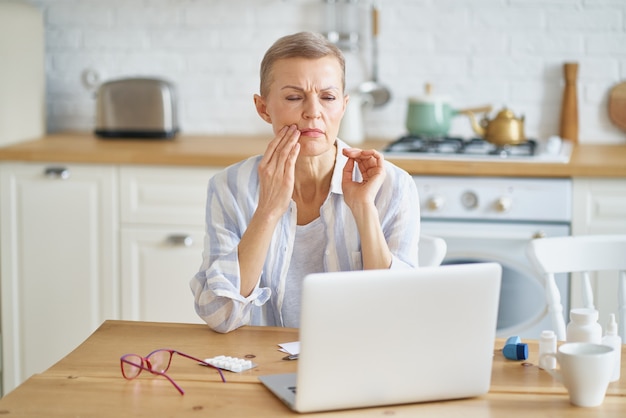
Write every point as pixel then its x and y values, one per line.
pixel 523 308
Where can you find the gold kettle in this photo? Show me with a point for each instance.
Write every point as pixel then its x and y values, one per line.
pixel 504 129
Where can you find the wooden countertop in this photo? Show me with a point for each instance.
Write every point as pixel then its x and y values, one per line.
pixel 196 150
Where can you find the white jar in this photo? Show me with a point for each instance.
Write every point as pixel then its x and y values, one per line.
pixel 583 326
pixel 547 344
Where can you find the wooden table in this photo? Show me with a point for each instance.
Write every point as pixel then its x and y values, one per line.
pixel 88 382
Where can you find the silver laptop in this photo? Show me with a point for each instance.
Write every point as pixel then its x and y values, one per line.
pixel 384 337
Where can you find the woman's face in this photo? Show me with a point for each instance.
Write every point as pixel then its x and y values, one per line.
pixel 307 93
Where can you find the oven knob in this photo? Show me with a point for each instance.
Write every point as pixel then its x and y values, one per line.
pixel 435 203
pixel 469 200
pixel 503 204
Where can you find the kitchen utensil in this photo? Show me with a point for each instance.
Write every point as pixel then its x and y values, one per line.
pixel 431 115
pixel 379 93
pixel 136 108
pixel 504 129
pixel 617 105
pixel 569 106
pixel 351 129
pixel 342 19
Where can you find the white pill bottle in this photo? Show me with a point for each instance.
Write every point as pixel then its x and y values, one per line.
pixel 583 326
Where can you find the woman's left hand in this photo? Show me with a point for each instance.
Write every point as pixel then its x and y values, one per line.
pixel 370 164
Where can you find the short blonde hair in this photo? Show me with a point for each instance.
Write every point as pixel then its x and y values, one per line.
pixel 308 45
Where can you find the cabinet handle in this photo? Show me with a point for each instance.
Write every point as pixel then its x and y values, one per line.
pixel 180 240
pixel 62 173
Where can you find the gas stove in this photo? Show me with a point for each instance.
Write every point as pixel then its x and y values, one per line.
pixel 554 150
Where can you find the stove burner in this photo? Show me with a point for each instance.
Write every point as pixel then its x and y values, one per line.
pixel 427 144
pixel 452 145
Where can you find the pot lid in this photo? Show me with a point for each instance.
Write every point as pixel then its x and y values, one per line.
pixel 428 96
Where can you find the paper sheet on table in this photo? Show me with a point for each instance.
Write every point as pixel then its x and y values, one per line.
pixel 290 348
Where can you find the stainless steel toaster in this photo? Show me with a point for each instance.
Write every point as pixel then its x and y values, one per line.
pixel 136 108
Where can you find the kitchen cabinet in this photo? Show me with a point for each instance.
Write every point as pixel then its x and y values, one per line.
pixel 84 243
pixel 22 72
pixel 58 230
pixel 162 232
pixel 599 207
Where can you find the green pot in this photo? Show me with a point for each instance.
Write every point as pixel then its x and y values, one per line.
pixel 429 117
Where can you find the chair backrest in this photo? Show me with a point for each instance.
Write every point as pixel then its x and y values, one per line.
pixel 579 254
pixel 432 251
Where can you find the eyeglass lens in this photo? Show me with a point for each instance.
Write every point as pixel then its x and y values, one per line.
pixel 159 360
pixel 131 371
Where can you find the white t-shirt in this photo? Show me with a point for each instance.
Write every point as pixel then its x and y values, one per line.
pixel 308 257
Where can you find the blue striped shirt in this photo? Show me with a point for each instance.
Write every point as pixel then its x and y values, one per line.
pixel 232 198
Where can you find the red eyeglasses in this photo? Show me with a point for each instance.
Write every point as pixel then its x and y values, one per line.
pixel 157 363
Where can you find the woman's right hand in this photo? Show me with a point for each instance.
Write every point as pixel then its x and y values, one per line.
pixel 276 181
pixel 277 172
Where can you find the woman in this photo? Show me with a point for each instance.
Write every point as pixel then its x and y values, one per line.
pixel 309 204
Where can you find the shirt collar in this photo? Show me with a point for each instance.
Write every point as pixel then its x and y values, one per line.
pixel 340 162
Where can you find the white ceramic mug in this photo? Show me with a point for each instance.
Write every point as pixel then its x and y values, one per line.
pixel 585 371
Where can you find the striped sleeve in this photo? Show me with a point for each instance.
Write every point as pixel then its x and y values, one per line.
pixel 231 199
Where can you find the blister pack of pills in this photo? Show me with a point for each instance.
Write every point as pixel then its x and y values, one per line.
pixel 232 364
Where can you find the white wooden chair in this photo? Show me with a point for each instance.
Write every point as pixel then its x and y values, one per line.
pixel 431 251
pixel 579 254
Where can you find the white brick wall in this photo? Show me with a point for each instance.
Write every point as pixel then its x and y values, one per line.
pixel 500 52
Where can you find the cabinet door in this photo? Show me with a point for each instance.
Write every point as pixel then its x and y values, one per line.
pixel 164 195
pixel 157 265
pixel 59 263
pixel 599 208
pixel 162 212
